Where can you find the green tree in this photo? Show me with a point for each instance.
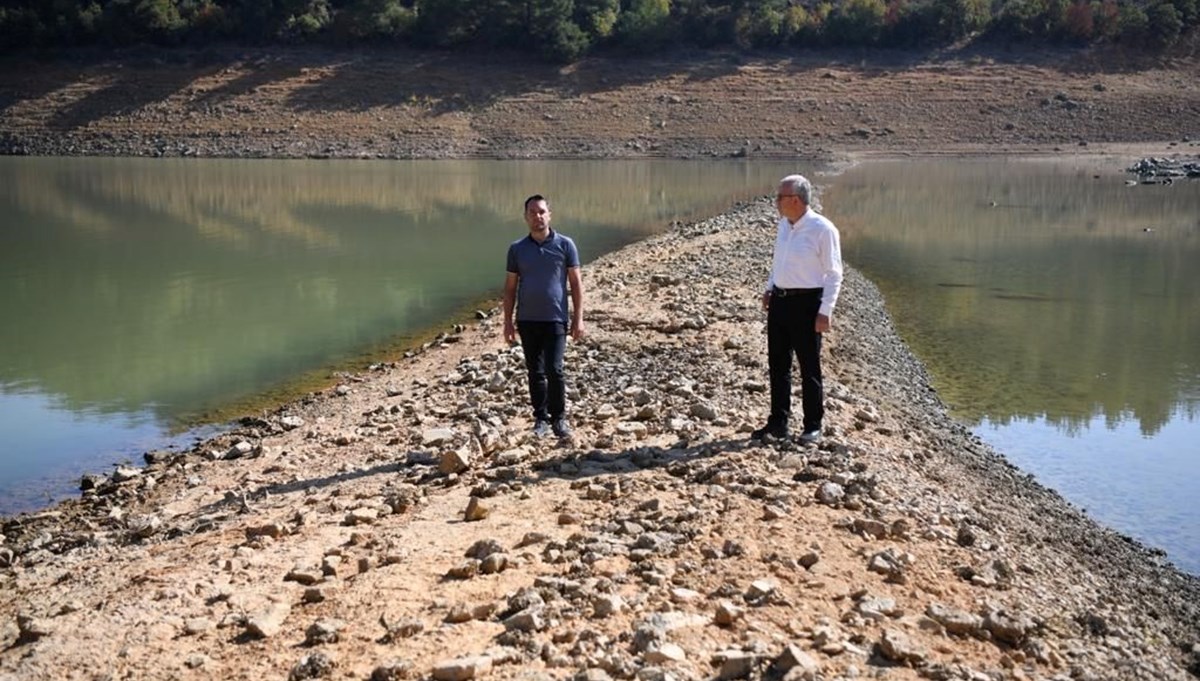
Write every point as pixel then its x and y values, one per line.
pixel 372 19
pixel 597 18
pixel 644 26
pixel 1135 25
pixel 133 21
pixel 1164 24
pixel 857 23
pixel 443 23
pixel 762 24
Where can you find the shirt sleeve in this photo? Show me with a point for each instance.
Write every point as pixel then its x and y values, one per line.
pixel 831 263
pixel 774 257
pixel 572 254
pixel 512 259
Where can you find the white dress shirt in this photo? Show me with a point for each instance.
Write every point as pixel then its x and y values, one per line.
pixel 808 254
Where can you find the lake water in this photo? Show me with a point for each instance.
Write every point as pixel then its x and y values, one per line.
pixel 142 296
pixel 1058 311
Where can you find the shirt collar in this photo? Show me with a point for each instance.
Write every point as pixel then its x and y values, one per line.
pixel 549 238
pixel 800 219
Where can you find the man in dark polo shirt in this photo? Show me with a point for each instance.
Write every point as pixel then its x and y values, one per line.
pixel 540 268
pixel 806 277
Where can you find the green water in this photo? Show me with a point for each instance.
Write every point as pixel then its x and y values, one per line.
pixel 141 296
pixel 1058 310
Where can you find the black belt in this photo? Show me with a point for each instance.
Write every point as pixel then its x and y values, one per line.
pixel 785 292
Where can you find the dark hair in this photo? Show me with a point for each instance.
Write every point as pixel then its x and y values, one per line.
pixel 532 199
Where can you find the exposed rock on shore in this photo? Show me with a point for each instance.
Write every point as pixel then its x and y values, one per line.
pixel 316 103
pixel 347 538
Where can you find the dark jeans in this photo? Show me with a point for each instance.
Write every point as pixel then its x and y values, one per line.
pixel 791 327
pixel 544 344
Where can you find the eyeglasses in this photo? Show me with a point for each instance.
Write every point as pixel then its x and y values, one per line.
pixel 783 196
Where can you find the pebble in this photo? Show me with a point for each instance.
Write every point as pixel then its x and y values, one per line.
pixel 462 669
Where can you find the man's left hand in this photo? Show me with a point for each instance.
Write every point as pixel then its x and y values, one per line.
pixel 577 331
pixel 823 323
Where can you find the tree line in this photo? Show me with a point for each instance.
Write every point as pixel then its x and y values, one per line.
pixel 566 30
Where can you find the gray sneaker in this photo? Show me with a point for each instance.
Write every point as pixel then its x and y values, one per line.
pixel 810 436
pixel 561 429
pixel 541 428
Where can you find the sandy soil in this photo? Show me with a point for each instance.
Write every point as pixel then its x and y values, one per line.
pixel 311 103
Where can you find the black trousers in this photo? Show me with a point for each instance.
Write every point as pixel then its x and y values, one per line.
pixel 544 344
pixel 791 328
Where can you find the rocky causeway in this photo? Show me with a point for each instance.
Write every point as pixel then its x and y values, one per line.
pixel 404 523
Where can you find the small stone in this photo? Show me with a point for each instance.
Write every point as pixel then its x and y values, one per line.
pixel 272 530
pixel 239 450
pixel 760 589
pixel 607 605
pixel 304 576
pixel 810 559
pixel 898 647
pixel 529 619
pixel 830 493
pixel 476 510
pixel 125 474
pixel 793 657
pixel 268 622
pixel 462 669
pixel 361 516
pixel 735 664
pixel 313 666
pixel 494 563
pixel 663 653
pixel 392 670
pixel 323 631
pixel 197 625
pixel 92 481
pixel 400 628
pixel 195 661
pixel 454 461
pixel 682 595
pixel 727 613
pixel 436 436
pixel 955 621
pixel 291 422
pixel 144 527
pixel 704 410
pixel 465 570
pixel 32 628
pixel 459 613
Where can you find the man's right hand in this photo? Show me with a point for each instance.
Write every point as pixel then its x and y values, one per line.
pixel 510 333
pixel 766 300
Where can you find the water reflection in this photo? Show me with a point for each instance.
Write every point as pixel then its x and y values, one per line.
pixel 153 290
pixel 1057 310
pixel 1037 284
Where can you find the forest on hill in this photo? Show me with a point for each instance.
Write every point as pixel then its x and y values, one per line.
pixel 567 30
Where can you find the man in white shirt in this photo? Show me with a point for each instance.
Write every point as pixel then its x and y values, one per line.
pixel 806 276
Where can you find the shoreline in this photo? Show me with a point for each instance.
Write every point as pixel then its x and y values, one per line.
pixel 902 508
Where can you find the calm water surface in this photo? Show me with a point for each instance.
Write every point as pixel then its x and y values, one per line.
pixel 138 296
pixel 1058 311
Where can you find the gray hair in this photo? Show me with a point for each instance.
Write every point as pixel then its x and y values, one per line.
pixel 800 186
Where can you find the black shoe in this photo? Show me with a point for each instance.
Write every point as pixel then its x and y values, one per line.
pixel 561 429
pixel 810 436
pixel 541 428
pixel 769 430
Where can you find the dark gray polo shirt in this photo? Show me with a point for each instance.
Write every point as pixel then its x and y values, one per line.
pixel 542 271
